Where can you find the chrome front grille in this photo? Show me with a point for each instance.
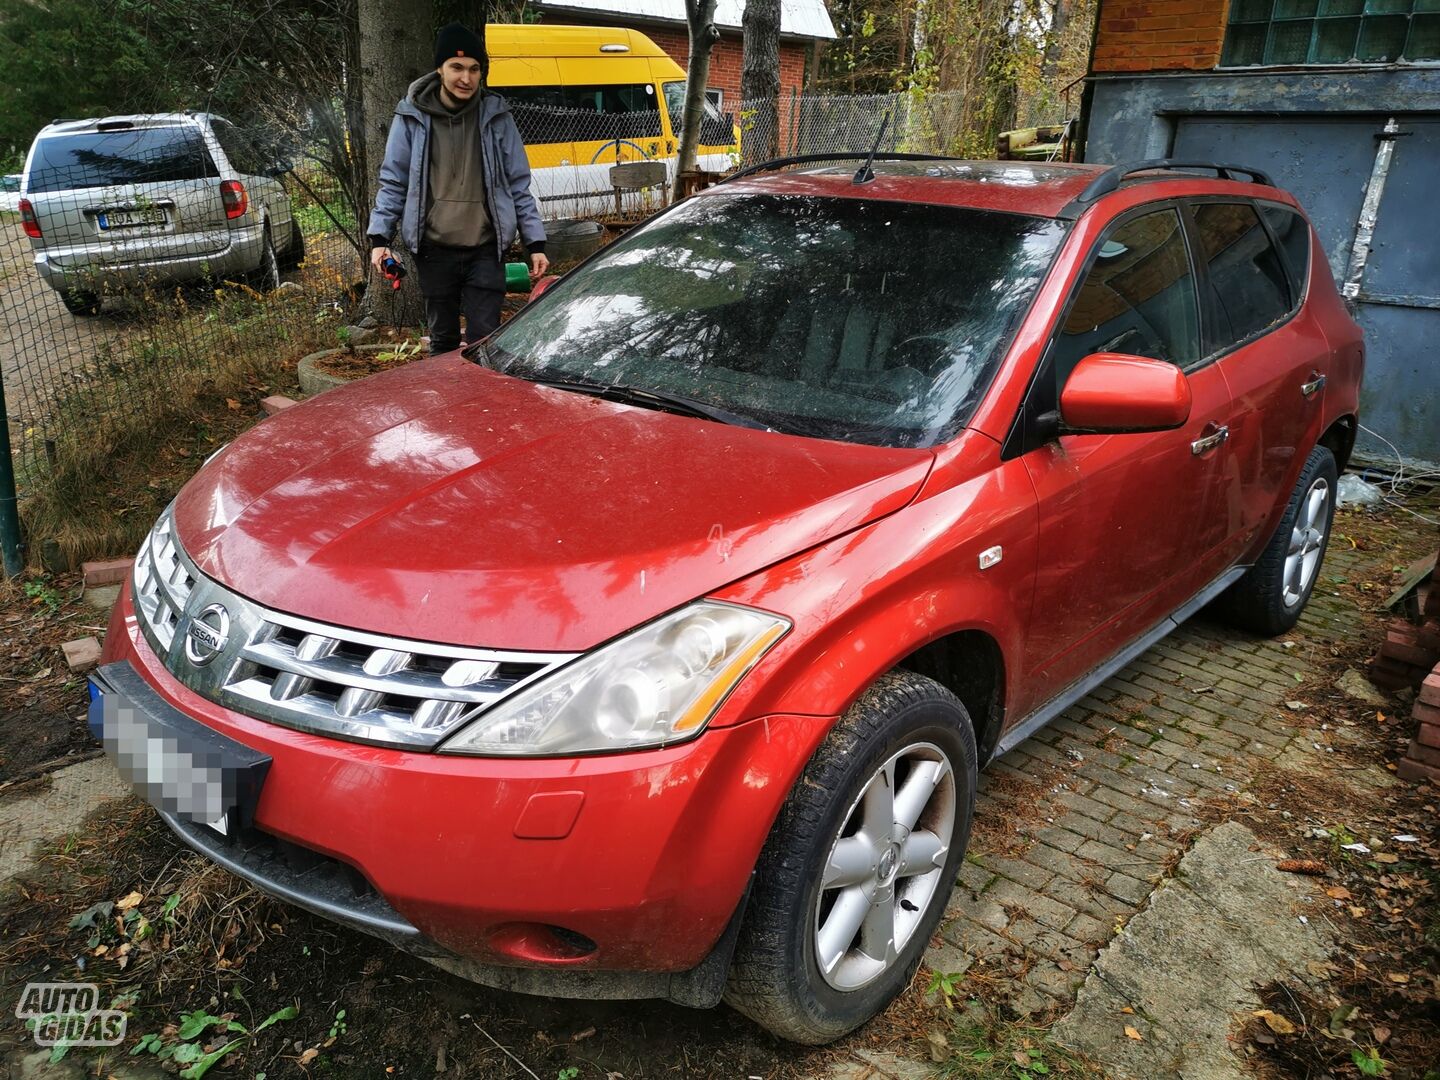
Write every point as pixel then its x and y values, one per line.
pixel 311 676
pixel 163 583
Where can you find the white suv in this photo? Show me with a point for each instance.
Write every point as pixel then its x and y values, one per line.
pixel 114 202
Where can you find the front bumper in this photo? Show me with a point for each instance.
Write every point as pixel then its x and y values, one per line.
pixel 472 861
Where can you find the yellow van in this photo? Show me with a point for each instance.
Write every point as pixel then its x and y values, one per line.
pixel 586 97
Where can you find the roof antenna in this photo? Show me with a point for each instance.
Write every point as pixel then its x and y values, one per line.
pixel 865 173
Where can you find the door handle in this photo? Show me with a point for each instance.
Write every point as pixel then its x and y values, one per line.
pixel 1215 435
pixel 1316 382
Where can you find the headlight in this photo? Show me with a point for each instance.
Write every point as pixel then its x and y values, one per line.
pixel 657 685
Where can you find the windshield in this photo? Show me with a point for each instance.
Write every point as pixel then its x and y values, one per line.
pixel 866 321
pixel 131 156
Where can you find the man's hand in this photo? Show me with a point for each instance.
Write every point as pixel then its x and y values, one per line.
pixel 538 265
pixel 379 255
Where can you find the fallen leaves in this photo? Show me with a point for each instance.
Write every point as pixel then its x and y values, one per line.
pixel 1275 1022
pixel 1131 1033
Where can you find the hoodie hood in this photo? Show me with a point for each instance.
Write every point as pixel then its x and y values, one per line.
pixel 424 93
pixel 446 502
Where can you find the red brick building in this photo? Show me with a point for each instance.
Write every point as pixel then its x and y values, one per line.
pixel 805 28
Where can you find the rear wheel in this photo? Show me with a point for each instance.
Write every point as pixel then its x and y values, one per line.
pixel 857 871
pixel 1271 596
pixel 267 274
pixel 80 302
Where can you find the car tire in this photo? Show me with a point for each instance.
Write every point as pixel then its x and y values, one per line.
pixel 827 859
pixel 295 250
pixel 1271 596
pixel 267 275
pixel 79 302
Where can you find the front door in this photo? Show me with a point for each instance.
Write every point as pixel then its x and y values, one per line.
pixel 1128 523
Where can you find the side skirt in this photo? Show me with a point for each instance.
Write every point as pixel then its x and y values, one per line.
pixel 1082 686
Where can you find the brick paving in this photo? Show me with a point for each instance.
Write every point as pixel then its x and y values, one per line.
pixel 1107 797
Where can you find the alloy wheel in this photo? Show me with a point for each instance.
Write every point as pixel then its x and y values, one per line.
pixel 884 866
pixel 1307 539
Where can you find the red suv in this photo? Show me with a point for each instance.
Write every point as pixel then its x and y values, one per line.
pixel 652 649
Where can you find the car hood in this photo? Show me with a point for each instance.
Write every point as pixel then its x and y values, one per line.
pixel 448 503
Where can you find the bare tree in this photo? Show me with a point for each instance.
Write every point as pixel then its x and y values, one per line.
pixel 760 80
pixel 700 17
pixel 395 50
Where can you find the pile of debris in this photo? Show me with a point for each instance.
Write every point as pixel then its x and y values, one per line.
pixel 1410 658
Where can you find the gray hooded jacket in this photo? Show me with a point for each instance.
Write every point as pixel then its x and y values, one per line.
pixel 403 192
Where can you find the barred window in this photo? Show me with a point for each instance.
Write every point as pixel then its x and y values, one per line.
pixel 1331 31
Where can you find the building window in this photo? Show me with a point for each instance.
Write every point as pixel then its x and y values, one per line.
pixel 1331 31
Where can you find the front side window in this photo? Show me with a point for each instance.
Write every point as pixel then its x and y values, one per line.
pixel 1331 31
pixel 1249 289
pixel 715 130
pixel 130 156
pixel 1138 298
pixel 853 319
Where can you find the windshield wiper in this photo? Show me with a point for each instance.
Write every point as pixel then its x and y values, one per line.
pixel 654 399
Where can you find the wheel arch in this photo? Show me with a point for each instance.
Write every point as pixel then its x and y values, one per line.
pixel 1339 439
pixel 971 665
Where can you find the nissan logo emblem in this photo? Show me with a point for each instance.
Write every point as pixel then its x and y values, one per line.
pixel 206 635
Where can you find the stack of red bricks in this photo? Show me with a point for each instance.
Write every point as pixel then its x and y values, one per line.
pixel 1410 652
pixel 1422 759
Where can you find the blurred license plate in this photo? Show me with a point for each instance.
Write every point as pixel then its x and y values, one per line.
pixel 119 219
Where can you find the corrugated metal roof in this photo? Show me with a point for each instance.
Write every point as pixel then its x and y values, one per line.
pixel 798 18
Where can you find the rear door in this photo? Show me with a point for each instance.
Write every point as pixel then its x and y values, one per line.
pixel 1128 528
pixel 126 195
pixel 1275 356
pixel 266 194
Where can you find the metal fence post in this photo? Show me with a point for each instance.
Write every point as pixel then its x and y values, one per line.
pixel 9 510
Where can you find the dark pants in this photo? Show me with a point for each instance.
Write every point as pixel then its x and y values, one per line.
pixel 453 280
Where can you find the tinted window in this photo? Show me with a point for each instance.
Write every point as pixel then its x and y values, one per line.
pixel 1248 286
pixel 584 113
pixel 132 156
pixel 869 321
pixel 1293 232
pixel 1138 298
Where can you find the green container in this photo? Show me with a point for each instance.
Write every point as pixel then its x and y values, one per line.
pixel 517 277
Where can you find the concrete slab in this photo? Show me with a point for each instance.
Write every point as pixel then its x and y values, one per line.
pixel 102 597
pixel 50 813
pixel 1188 965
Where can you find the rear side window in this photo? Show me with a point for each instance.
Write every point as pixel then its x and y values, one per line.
pixel 1249 289
pixel 133 156
pixel 1293 232
pixel 244 158
pixel 1137 298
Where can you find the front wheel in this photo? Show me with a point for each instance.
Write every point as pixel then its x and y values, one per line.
pixel 1271 596
pixel 858 868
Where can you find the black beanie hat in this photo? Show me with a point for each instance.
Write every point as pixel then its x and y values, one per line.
pixel 457 40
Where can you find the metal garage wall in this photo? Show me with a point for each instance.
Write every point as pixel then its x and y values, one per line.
pixel 1319 134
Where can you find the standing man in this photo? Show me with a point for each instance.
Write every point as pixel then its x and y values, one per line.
pixel 456 183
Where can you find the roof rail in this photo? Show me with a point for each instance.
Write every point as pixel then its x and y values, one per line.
pixel 1109 180
pixel 801 159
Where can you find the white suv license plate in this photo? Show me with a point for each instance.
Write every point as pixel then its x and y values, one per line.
pixel 120 219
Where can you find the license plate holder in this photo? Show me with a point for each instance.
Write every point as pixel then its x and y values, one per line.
pixel 127 219
pixel 174 762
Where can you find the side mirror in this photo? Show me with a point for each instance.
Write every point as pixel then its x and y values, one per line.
pixel 1111 393
pixel 543 284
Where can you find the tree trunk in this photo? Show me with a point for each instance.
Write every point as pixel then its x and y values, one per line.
pixel 700 16
pixel 1055 43
pixel 760 81
pixel 395 50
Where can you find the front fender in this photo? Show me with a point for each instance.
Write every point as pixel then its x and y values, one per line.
pixel 865 601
